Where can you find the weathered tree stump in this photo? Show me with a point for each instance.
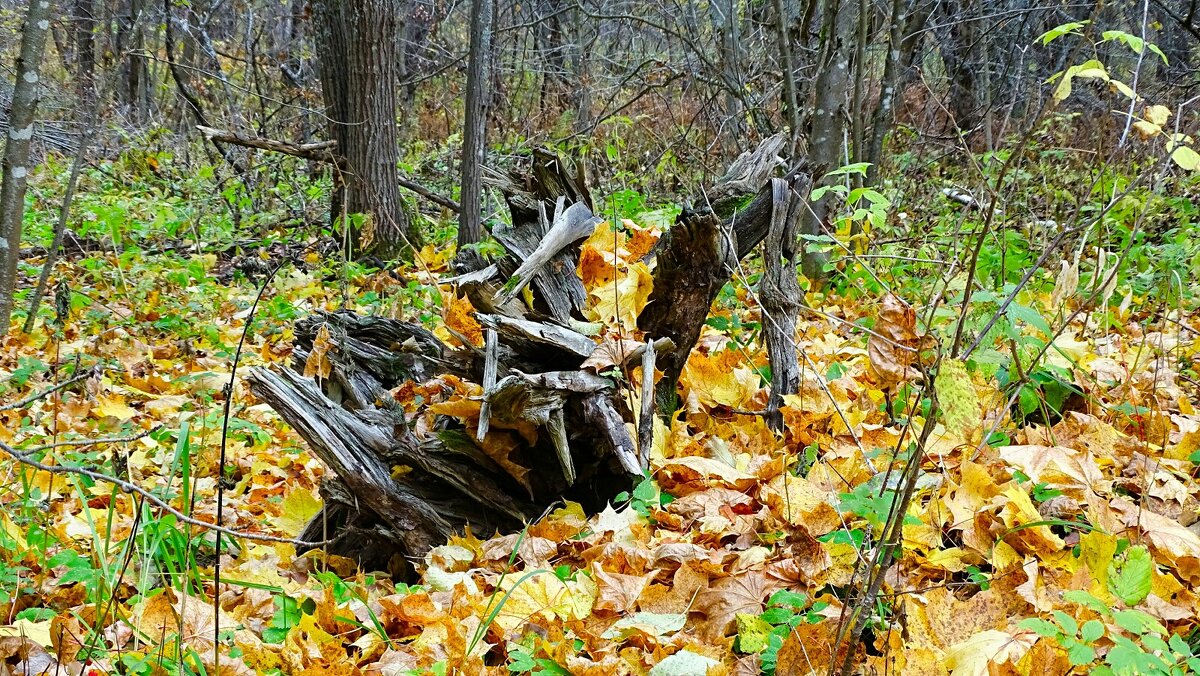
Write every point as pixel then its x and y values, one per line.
pixel 530 368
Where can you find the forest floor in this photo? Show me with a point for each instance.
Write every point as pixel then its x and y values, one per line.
pixel 1054 525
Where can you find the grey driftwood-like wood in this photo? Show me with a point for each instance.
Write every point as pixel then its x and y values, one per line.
pixel 779 292
pixel 392 495
pixel 570 225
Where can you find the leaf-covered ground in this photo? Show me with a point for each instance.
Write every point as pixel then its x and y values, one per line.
pixel 1053 527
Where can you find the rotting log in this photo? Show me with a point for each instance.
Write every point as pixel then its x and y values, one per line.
pixel 394 492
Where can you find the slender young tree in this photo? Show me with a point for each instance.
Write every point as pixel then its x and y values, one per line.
pixel 16 152
pixel 470 225
pixel 356 44
pixel 831 92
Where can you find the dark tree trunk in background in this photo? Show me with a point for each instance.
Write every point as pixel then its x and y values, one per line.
pixel 470 226
pixel 790 103
pixel 881 119
pixel 137 73
pixel 829 115
pixel 956 54
pixel 16 152
pixel 727 24
pixel 85 46
pixel 552 49
pixel 356 45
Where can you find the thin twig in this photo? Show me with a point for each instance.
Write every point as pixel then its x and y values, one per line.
pixel 134 489
pixel 76 443
pixel 42 395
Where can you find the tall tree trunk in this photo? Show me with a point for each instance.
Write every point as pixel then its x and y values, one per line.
pixel 356 44
pixel 791 109
pixel 85 46
pixel 828 121
pixel 960 70
pixel 726 24
pixel 470 226
pixel 16 152
pixel 857 107
pixel 138 72
pixel 881 119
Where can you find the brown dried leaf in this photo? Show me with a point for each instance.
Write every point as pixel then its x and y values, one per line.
pixel 318 363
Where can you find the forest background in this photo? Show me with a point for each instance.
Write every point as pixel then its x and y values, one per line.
pixel 942 421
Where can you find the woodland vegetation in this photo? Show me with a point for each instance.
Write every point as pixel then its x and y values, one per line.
pixel 599 337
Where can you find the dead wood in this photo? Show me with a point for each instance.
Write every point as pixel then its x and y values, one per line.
pixel 394 492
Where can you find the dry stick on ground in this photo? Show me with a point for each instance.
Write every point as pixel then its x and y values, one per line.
pixel 134 489
pixel 323 151
pixel 45 393
pixel 646 415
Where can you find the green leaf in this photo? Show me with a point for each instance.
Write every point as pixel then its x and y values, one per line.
pixel 957 396
pixel 1057 32
pixel 788 599
pixel 1129 575
pixel 1040 627
pixel 1180 646
pixel 654 624
pixel 1091 630
pixel 1031 317
pixel 1068 623
pixel 1134 42
pixel 855 168
pixel 1137 622
pixel 683 663
pixel 1088 601
pixel 1080 654
pixel 752 633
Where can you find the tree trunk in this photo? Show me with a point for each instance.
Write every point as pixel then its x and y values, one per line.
pixel 960 69
pixel 85 47
pixel 16 152
pixel 138 73
pixel 828 121
pixel 470 225
pixel 356 44
pixel 881 119
pixel 790 104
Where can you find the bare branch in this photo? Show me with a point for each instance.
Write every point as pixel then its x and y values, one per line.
pixel 134 489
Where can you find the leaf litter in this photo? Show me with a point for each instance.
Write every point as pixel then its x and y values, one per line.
pixel 1025 551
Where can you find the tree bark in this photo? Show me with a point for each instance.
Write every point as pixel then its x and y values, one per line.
pixel 960 69
pixel 828 122
pixel 470 217
pixel 356 45
pixel 16 152
pixel 85 46
pixel 881 119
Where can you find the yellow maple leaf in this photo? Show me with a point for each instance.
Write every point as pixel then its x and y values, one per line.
pixel 619 301
pixel 542 594
pixel 115 406
pixel 972 656
pixel 720 379
pixel 298 506
pixel 460 316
